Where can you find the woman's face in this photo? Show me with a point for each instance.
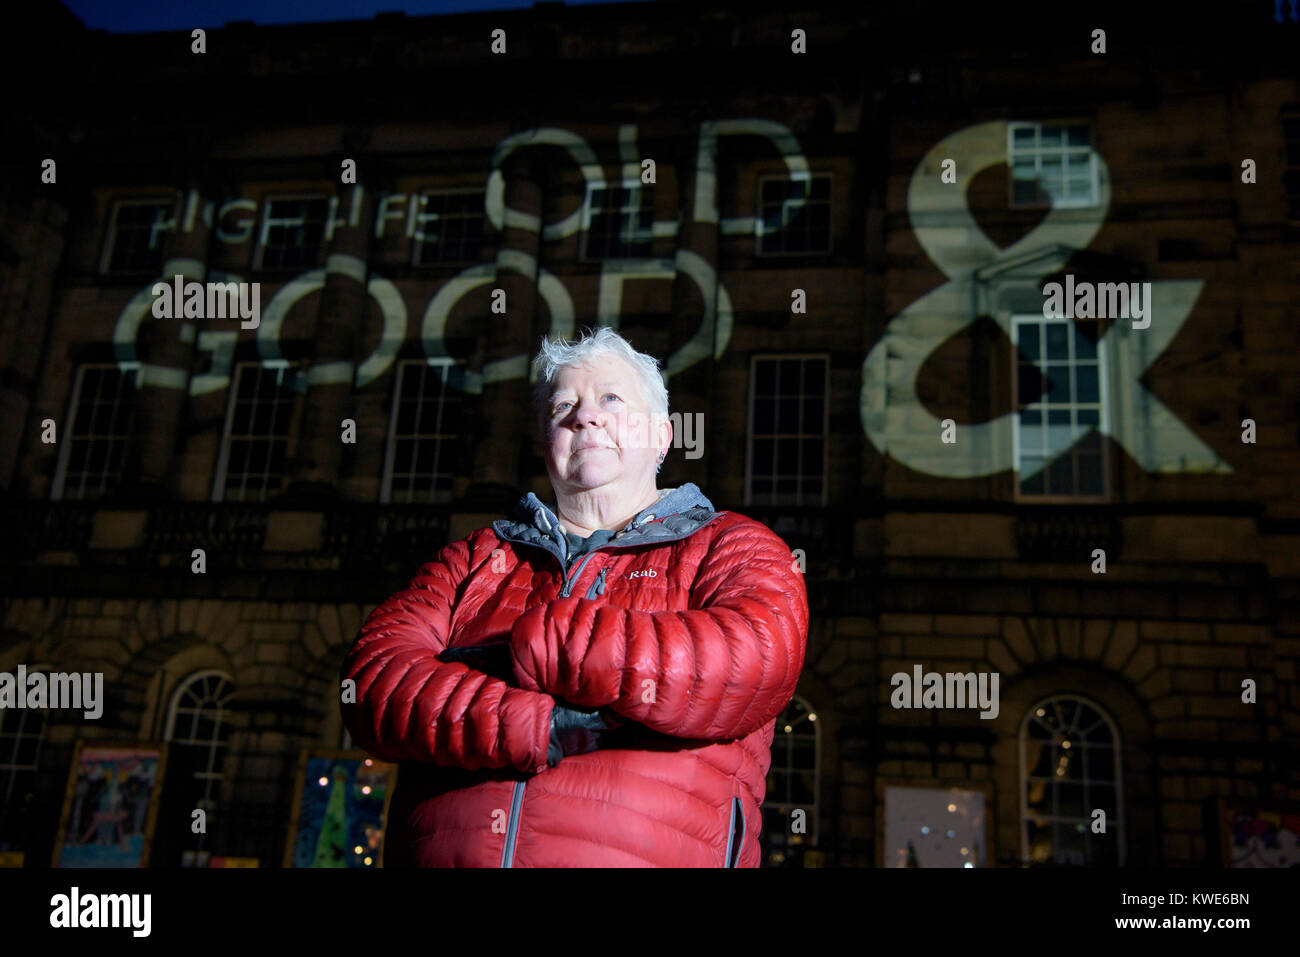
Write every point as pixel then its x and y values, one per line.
pixel 599 429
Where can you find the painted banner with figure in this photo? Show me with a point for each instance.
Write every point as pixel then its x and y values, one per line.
pixel 111 805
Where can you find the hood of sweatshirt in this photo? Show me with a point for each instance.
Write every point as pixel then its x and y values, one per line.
pixel 677 513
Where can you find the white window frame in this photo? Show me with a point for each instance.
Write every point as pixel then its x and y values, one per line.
pixel 1115 827
pixel 824 436
pixel 10 769
pixel 1103 412
pixel 264 228
pixel 1064 152
pixel 446 364
pixel 636 187
pixel 110 235
pixel 758 215
pixel 281 366
pixel 417 244
pixel 8 759
pixel 58 486
pixel 213 774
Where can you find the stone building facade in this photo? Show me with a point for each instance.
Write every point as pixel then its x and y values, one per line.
pixel 839 256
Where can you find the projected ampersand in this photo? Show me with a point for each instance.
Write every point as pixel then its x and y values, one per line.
pixel 893 416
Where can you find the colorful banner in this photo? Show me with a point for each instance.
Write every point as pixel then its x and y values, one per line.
pixel 111 805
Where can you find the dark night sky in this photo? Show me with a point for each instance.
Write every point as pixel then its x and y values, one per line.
pixel 133 16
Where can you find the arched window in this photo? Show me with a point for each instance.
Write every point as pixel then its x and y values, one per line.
pixel 1069 770
pixel 793 784
pixel 197 730
pixel 21 732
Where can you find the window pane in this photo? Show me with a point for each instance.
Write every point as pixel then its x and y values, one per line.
pixel 259 455
pixel 283 414
pixel 1029 387
pixel 402 456
pixel 1033 485
pixel 813 450
pixel 795 215
pixel 1058 379
pixel 814 376
pixel 406 417
pixel 1057 344
pixel 137 234
pixel 424 454
pixel 1085 379
pixel 1070 842
pixel 261 418
pixel 787 457
pixel 787 416
pixel 1059 437
pixel 1101 756
pixel 205 726
pixel 1031 437
pixel 1085 339
pixel 1069 799
pixel 1060 475
pixel 1025 192
pixel 812 415
pixel 1028 343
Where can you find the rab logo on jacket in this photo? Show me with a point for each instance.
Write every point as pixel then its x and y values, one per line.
pixel 648 573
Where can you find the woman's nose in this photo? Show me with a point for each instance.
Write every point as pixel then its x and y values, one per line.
pixel 589 411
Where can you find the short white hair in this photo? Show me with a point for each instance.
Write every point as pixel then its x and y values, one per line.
pixel 604 342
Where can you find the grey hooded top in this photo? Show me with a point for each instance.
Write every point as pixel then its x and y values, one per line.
pixel 676 514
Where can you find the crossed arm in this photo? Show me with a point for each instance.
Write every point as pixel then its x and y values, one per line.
pixel 412 707
pixel 717 671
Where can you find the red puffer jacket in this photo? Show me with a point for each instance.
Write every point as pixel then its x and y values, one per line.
pixel 690 625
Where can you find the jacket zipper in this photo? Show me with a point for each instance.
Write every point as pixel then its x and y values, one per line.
pixel 512 828
pixel 517 797
pixel 570 582
pixel 735 838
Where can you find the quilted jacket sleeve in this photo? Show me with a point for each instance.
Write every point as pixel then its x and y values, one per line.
pixel 718 671
pixel 412 707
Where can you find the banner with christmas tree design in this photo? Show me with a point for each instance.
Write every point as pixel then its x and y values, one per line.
pixel 339 808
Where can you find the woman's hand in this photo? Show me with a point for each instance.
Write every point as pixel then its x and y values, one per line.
pixel 577 732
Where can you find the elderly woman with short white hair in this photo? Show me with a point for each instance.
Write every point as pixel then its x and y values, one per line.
pixel 593 681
